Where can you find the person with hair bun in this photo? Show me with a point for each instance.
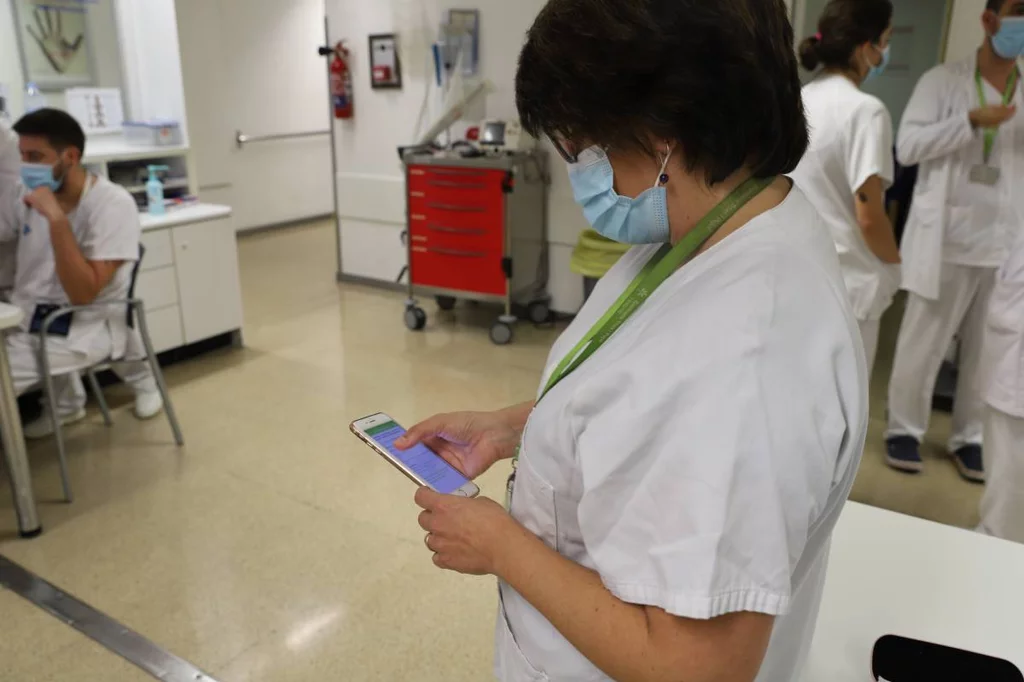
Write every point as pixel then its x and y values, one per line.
pixel 849 163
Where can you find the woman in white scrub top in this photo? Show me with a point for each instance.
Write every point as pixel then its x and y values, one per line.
pixel 849 163
pixel 699 425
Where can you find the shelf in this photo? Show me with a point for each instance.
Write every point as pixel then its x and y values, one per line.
pixel 114 148
pixel 192 213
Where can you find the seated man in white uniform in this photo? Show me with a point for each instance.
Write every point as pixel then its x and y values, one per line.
pixel 10 173
pixel 961 125
pixel 77 241
pixel 1002 387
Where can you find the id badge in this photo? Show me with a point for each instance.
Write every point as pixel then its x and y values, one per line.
pixel 984 174
pixel 60 326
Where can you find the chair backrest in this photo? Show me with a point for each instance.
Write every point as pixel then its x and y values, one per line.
pixel 131 285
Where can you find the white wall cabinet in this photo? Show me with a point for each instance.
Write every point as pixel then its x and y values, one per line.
pixel 189 276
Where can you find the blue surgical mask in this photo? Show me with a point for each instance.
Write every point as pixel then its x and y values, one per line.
pixel 643 220
pixel 35 175
pixel 876 71
pixel 1008 42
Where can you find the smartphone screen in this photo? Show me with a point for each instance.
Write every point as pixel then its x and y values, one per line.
pixel 421 460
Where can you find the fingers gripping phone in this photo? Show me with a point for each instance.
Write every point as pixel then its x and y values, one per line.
pixel 424 466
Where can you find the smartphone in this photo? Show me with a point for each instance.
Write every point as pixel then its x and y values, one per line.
pixel 424 466
pixel 898 659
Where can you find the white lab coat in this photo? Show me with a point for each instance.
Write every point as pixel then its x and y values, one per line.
pixel 1002 388
pixel 946 94
pixel 699 460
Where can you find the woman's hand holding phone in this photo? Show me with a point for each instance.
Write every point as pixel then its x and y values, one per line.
pixel 472 442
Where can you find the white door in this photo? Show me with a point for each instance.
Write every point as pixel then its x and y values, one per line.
pixel 252 66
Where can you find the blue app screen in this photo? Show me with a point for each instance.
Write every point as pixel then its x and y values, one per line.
pixel 424 462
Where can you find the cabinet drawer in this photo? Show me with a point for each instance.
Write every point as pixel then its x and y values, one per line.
pixel 165 328
pixel 432 178
pixel 157 288
pixel 159 252
pixel 459 269
pixel 472 235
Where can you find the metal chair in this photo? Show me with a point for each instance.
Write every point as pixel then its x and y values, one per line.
pixel 135 311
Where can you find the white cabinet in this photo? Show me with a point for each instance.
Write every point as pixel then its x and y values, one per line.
pixel 206 257
pixel 189 276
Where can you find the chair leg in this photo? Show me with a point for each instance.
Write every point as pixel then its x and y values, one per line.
pixel 158 375
pixel 58 435
pixel 94 384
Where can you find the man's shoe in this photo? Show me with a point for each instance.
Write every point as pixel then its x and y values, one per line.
pixel 43 426
pixel 970 464
pixel 903 453
pixel 148 404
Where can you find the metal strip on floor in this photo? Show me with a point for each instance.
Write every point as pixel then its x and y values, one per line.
pixel 101 628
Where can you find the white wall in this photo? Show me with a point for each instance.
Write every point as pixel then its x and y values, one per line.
pixel 965 32
pixel 370 181
pixel 106 55
pixel 251 65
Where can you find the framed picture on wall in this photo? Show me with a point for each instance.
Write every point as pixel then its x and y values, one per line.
pixel 53 37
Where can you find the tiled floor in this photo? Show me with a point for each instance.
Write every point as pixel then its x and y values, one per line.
pixel 276 547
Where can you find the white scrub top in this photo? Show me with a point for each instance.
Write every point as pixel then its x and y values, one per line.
pixel 851 141
pixel 698 461
pixel 107 228
pixel 983 221
pixel 10 176
pixel 1002 376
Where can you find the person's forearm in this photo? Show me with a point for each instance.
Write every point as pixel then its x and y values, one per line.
pixel 622 639
pixel 77 277
pixel 517 415
pixel 881 239
pixel 920 142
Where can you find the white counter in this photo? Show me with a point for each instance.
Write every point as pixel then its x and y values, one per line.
pixel 113 148
pixel 192 213
pixel 895 574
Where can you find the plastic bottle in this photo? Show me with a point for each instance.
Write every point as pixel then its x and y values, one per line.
pixel 34 99
pixel 155 191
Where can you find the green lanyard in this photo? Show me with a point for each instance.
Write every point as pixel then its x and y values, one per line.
pixel 661 266
pixel 991 133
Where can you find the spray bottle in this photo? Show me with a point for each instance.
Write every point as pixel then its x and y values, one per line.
pixel 155 191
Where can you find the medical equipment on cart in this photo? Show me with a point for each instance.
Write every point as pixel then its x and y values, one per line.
pixel 477 230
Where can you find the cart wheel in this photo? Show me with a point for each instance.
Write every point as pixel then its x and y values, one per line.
pixel 539 312
pixel 415 318
pixel 501 333
pixel 445 302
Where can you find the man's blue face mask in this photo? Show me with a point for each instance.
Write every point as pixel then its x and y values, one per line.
pixel 643 220
pixel 1008 42
pixel 34 175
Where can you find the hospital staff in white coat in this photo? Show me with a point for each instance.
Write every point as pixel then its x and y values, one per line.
pixel 1002 388
pixel 849 163
pixel 700 423
pixel 961 126
pixel 77 239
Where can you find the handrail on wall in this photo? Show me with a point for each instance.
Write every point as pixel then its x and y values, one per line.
pixel 242 139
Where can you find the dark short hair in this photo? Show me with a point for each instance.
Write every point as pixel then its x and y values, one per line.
pixel 718 77
pixel 995 5
pixel 843 27
pixel 58 128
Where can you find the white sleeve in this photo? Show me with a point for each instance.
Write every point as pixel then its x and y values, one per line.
pixel 113 230
pixel 10 158
pixel 13 211
pixel 928 131
pixel 718 470
pixel 870 150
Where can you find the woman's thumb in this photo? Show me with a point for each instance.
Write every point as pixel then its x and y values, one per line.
pixel 417 434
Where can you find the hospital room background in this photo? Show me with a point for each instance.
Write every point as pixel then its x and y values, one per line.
pixel 297 276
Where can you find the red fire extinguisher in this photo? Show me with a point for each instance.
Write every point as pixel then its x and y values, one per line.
pixel 341 83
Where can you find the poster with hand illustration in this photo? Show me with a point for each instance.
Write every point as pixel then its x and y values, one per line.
pixel 53 35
